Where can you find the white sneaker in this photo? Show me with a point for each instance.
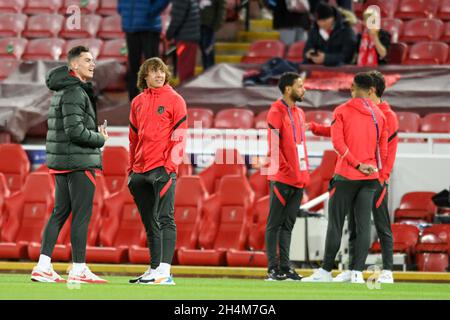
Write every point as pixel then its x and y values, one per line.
pixel 45 275
pixel 157 278
pixel 85 276
pixel 145 275
pixel 357 277
pixel 386 276
pixel 344 276
pixel 319 275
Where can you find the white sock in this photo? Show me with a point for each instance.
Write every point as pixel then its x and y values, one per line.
pixel 44 261
pixel 78 267
pixel 164 268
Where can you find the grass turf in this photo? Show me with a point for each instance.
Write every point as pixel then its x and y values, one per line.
pixel 14 286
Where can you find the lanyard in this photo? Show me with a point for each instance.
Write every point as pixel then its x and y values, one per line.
pixel 378 132
pixel 293 123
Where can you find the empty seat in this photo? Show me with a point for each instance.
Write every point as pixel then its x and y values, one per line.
pixel 397 53
pixel 86 7
pixel 44 25
pixel 111 27
pixel 12 24
pixel 12 48
pixel 387 8
pixel 7 67
pixel 14 164
pixel 444 10
pixel 115 165
pixel 446 34
pixel 28 212
pixel 262 50
pixel 319 116
pixel 416 205
pixel 202 115
pixel 94 45
pixel 393 26
pixel 42 6
pixel 227 216
pixel 44 49
pixel 435 238
pixel 410 9
pixel 261 120
pixel 436 122
pixel 259 184
pixel 5 193
pixel 436 262
pixel 408 121
pixel 234 118
pixel 423 53
pixel 422 30
pixel 295 51
pixel 107 7
pixel 226 162
pixel 114 49
pixel 88 28
pixel 11 6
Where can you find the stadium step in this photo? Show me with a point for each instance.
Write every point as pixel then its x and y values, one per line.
pixel 228 58
pixel 251 36
pixel 261 25
pixel 232 47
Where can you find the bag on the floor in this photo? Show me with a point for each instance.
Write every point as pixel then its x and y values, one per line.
pixel 271 71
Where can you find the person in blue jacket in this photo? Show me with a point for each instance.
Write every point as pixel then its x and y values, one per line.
pixel 141 22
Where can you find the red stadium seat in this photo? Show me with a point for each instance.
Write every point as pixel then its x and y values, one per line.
pixel 12 48
pixel 410 9
pixel 28 212
pixel 111 28
pixel 436 122
pixel 397 53
pixel 44 49
pixel 94 45
pixel 12 24
pixel 45 25
pixel 436 262
pixel 393 26
pixel 7 67
pixel 295 51
pixel 205 116
pixel 408 121
pixel 424 53
pixel 405 239
pixel 114 49
pixel 261 120
pixel 115 165
pixel 107 7
pixel 444 10
pixel 387 8
pixel 14 164
pixel 422 30
pixel 319 116
pixel 435 238
pixel 446 35
pixel 227 216
pixel 86 7
pixel 11 6
pixel 262 50
pixel 259 184
pixel 42 6
pixel 416 205
pixel 255 256
pixel 5 193
pixel 234 118
pixel 226 162
pixel 88 28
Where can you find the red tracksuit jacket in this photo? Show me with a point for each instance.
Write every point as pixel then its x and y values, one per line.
pixel 280 124
pixel 158 129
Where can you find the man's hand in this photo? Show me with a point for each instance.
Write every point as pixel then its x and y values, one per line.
pixel 308 54
pixel 319 58
pixel 103 132
pixel 308 126
pixel 367 169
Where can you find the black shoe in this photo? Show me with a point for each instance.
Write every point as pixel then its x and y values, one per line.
pixel 275 275
pixel 292 275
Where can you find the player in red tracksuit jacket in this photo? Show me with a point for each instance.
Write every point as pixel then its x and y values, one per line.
pixel 157 143
pixel 288 173
pixel 380 206
pixel 359 136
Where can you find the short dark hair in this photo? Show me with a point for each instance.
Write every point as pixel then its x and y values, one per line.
pixel 363 81
pixel 378 82
pixel 287 79
pixel 75 52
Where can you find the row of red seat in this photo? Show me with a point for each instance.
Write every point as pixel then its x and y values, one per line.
pixel 102 7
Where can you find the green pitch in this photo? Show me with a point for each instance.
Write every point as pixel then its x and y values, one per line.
pixel 14 286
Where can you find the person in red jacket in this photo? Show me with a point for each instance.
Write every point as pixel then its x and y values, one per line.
pixel 288 173
pixel 359 136
pixel 380 206
pixel 157 143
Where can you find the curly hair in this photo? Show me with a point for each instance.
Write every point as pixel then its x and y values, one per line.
pixel 153 64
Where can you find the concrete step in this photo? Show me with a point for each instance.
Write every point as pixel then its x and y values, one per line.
pixel 251 36
pixel 228 58
pixel 232 47
pixel 261 25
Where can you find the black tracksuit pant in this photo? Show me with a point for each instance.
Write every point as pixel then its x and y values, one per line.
pixel 383 226
pixel 346 196
pixel 74 192
pixel 154 194
pixel 284 204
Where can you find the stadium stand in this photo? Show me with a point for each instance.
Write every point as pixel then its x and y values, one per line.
pixel 107 7
pixel 262 50
pixel 114 49
pixel 444 10
pixel 86 7
pixel 259 184
pixel 12 6
pixel 4 195
pixel 234 118
pixel 12 48
pixel 427 52
pixel 203 115
pixel 397 53
pixel 44 49
pixel 45 25
pixel 446 34
pixel 42 6
pixel 111 28
pixel 260 120
pixel 89 26
pixel 295 52
pixel 422 30
pixel 416 205
pixel 435 122
pixel 12 24
pixel 94 45
pixel 7 67
pixel 410 9
pixel 115 166
pixel 394 26
pixel 15 165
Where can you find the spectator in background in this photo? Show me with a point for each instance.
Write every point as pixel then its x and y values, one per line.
pixel 344 4
pixel 212 14
pixel 184 28
pixel 372 43
pixel 331 40
pixel 141 22
pixel 291 25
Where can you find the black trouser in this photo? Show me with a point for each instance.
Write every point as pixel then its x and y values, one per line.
pixel 144 43
pixel 74 192
pixel 284 204
pixel 346 196
pixel 207 46
pixel 383 226
pixel 154 194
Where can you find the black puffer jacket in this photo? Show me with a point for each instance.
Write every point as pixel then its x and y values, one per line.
pixel 73 140
pixel 185 21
